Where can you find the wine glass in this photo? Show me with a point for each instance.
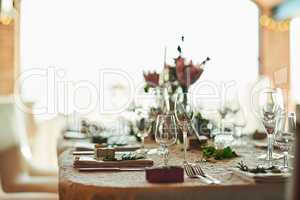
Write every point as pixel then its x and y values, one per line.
pixel 146 110
pixel 223 110
pixel 166 133
pixel 239 123
pixel 284 141
pixel 184 114
pixel 268 112
pixel 144 126
pixel 238 117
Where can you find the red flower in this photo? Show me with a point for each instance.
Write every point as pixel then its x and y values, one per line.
pixel 152 78
pixel 187 74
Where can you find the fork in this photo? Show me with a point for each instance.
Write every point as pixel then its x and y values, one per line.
pixel 191 173
pixel 198 170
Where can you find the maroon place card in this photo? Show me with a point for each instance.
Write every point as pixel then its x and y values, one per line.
pixel 170 174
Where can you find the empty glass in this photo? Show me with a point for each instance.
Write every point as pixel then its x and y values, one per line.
pixel 284 142
pixel 223 111
pixel 144 126
pixel 184 114
pixel 165 133
pixel 268 112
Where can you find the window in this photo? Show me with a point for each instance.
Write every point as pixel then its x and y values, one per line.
pixel 81 37
pixel 295 59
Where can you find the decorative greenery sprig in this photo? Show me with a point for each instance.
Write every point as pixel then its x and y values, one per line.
pixel 258 169
pixel 218 154
pixel 132 156
pixel 126 156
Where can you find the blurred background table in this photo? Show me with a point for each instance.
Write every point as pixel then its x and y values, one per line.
pixel 133 185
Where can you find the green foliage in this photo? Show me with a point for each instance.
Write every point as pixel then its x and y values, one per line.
pixel 258 169
pixel 146 88
pixel 201 120
pixel 126 156
pixel 132 156
pixel 218 154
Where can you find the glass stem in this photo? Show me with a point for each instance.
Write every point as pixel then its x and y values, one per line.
pixel 184 132
pixel 285 160
pixel 270 149
pixel 222 127
pixel 143 142
pixel 165 155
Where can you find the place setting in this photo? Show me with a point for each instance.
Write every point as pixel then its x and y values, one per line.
pixel 280 130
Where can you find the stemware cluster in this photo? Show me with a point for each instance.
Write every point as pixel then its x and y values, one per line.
pixel 168 123
pixel 182 116
pixel 272 113
pixel 147 108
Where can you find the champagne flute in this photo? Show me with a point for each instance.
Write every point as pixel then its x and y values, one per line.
pixel 284 141
pixel 269 111
pixel 166 133
pixel 184 114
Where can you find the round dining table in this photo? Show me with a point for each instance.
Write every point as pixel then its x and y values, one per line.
pixel 77 185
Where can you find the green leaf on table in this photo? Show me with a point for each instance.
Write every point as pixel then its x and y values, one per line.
pixel 218 154
pixel 208 151
pixel 132 156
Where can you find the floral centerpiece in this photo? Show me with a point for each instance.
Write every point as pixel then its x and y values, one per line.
pixel 177 77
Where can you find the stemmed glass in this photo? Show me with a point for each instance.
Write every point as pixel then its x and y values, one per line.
pixel 223 111
pixel 268 112
pixel 146 108
pixel 166 133
pixel 284 141
pixel 238 117
pixel 184 114
pixel 144 127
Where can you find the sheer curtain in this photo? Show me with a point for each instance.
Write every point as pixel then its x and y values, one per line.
pixel 295 59
pixel 77 38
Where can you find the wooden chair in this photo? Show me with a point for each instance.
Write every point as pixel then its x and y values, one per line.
pixel 15 155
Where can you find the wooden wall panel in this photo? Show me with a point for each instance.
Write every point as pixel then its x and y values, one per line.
pixel 275 57
pixel 9 54
pixel 7 57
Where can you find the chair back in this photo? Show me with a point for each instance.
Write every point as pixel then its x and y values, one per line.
pixel 8 124
pixel 13 141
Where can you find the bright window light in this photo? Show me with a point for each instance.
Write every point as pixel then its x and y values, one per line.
pixel 81 37
pixel 295 59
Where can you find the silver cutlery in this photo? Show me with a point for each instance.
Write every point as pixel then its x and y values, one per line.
pixel 192 174
pixel 198 170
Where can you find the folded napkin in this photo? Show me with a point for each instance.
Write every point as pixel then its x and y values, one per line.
pixel 262 177
pixel 74 135
pixel 90 162
pixel 84 146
